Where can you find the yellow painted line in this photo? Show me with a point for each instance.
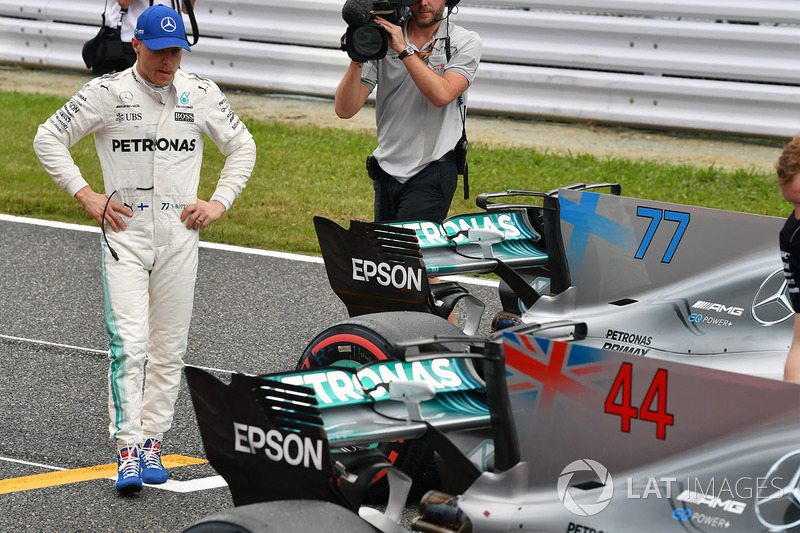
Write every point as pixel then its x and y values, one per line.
pixel 173 461
pixel 64 477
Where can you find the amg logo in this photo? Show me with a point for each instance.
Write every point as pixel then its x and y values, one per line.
pixel 278 446
pixel 699 498
pixel 184 117
pixel 709 306
pixel 398 276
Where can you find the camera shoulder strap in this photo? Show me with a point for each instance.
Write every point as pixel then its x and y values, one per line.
pixel 463 111
pixel 122 13
pixel 192 21
pixel 103 16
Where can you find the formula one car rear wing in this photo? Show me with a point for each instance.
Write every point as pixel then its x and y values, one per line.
pixel 381 267
pixel 292 426
pixel 259 429
pixel 373 268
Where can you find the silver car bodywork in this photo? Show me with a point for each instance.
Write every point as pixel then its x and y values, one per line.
pixel 701 286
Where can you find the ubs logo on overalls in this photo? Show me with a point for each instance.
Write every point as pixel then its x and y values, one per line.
pixel 128 116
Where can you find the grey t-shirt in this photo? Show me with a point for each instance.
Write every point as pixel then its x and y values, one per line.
pixel 413 132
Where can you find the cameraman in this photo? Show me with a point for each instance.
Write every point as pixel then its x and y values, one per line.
pixel 418 111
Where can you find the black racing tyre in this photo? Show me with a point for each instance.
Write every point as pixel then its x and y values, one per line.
pixel 368 338
pixel 283 517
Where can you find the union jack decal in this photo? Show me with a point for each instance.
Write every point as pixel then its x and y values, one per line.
pixel 550 372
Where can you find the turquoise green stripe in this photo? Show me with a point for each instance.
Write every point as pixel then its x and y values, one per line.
pixel 116 351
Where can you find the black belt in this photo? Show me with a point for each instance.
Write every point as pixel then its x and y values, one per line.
pixel 449 157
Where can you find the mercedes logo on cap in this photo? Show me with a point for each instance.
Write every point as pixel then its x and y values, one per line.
pixel 771 304
pixel 168 24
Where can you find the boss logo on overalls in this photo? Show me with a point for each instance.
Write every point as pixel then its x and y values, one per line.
pixel 184 117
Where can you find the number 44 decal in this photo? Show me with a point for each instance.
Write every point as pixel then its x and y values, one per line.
pixel 623 385
pixel 656 216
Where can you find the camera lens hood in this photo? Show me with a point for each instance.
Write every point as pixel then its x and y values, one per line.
pixel 366 41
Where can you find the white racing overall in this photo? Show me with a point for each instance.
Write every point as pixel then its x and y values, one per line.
pixel 151 153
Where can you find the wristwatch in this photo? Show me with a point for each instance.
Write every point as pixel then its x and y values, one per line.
pixel 407 52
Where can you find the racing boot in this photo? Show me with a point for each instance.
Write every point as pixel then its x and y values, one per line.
pixel 129 478
pixel 153 471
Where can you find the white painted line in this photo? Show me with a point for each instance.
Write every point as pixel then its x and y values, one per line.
pixel 183 487
pixel 210 245
pixel 101 352
pixel 193 485
pixel 228 248
pixel 210 369
pixel 203 244
pixel 258 251
pixel 28 463
pixel 57 345
pixel 172 485
pixel 49 223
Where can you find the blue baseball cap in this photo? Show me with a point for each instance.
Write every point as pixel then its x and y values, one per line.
pixel 161 27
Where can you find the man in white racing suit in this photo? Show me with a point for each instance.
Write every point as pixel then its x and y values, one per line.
pixel 149 123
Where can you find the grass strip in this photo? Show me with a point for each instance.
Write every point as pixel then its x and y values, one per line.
pixel 304 171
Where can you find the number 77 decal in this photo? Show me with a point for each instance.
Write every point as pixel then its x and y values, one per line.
pixel 655 216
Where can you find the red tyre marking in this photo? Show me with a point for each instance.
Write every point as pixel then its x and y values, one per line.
pixel 354 339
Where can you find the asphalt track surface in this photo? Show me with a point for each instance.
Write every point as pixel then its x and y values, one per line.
pixel 255 312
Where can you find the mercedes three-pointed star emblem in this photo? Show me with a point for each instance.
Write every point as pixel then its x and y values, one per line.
pixel 771 304
pixel 168 24
pixel 777 501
